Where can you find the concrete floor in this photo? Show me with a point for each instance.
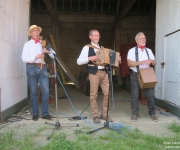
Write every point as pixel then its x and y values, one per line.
pixel 120 113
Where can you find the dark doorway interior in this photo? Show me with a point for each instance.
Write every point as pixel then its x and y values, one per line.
pixel 69 21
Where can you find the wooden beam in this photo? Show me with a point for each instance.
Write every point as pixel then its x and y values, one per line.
pixel 71 5
pixel 39 5
pixel 117 7
pixel 86 5
pixel 51 10
pixel 63 64
pixel 63 5
pixel 138 6
pixel 126 9
pixel 102 2
pixel 122 2
pixel 152 13
pixel 68 71
pixel 79 5
pixel 94 5
pixel 55 5
pixel 136 28
pixel 145 7
pixel 109 8
pixel 152 7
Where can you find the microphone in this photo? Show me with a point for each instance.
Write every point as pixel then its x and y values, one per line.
pixel 50 49
pixel 111 52
pixel 112 55
pixel 54 53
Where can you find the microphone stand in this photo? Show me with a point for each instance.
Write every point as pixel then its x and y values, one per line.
pixel 74 117
pixel 57 124
pixel 106 124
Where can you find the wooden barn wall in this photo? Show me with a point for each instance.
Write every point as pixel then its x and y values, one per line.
pixel 14 22
pixel 168 51
pixel 74 29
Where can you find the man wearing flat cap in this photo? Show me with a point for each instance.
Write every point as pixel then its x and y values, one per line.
pixel 32 54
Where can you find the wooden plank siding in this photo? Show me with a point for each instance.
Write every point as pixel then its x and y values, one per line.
pixel 168 51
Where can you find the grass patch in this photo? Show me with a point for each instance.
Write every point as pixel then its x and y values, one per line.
pixel 7 141
pixel 175 128
pixel 114 140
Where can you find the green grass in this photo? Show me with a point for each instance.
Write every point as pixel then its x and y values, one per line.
pixel 124 140
pixel 175 128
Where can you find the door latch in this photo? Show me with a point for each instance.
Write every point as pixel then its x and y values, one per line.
pixel 162 64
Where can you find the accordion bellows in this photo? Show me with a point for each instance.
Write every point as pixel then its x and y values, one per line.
pixel 107 56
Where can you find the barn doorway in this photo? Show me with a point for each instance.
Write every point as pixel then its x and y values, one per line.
pixel 69 21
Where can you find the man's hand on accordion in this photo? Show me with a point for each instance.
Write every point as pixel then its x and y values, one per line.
pixel 93 58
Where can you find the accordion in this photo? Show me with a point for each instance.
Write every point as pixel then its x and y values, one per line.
pixel 107 56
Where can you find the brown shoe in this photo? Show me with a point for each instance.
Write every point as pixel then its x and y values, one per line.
pixel 96 119
pixel 154 118
pixel 104 118
pixel 134 118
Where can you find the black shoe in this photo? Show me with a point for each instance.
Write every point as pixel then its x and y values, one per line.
pixel 48 117
pixel 35 117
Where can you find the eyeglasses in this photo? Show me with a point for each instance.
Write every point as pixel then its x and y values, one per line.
pixel 142 38
pixel 34 30
pixel 96 35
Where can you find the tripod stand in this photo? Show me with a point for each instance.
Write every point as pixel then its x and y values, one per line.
pixel 57 124
pixel 106 124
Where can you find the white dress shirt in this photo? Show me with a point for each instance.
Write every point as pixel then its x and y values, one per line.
pixel 142 55
pixel 30 50
pixel 83 57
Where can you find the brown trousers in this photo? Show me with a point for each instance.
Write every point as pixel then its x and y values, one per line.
pixel 99 79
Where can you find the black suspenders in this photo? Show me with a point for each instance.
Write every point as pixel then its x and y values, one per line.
pixel 137 58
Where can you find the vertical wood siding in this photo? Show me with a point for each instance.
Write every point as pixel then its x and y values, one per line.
pixel 168 50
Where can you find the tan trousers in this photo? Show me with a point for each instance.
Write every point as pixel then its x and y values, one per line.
pixel 99 79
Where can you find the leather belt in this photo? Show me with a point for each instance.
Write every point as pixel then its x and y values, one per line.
pixel 131 71
pixel 36 64
pixel 101 69
pixel 91 65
